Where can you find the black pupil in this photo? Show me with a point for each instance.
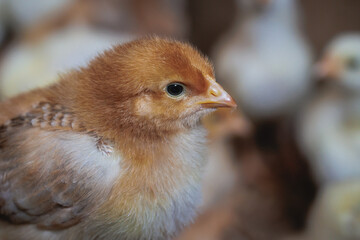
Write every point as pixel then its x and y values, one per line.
pixel 353 64
pixel 175 89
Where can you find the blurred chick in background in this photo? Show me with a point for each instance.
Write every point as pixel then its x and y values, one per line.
pixel 335 214
pixel 48 43
pixel 41 61
pixel 22 15
pixel 141 16
pixel 265 60
pixel 329 127
pixel 329 131
pixel 79 29
pixel 266 64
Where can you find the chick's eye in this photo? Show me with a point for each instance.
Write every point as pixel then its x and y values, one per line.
pixel 353 63
pixel 175 89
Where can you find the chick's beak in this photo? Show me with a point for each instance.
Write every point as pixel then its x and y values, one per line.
pixel 328 67
pixel 217 97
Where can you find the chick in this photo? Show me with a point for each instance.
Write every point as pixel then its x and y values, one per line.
pixel 336 214
pixel 329 133
pixel 112 151
pixel 265 60
pixel 18 15
pixel 42 49
pixel 329 126
pixel 41 60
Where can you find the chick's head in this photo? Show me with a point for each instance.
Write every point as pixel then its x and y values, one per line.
pixel 149 85
pixel 341 61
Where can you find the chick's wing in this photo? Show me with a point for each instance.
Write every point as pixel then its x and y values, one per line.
pixel 52 172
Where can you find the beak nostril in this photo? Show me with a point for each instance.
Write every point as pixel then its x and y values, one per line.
pixel 217 97
pixel 215 92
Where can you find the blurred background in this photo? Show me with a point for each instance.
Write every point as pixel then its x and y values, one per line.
pixel 286 164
